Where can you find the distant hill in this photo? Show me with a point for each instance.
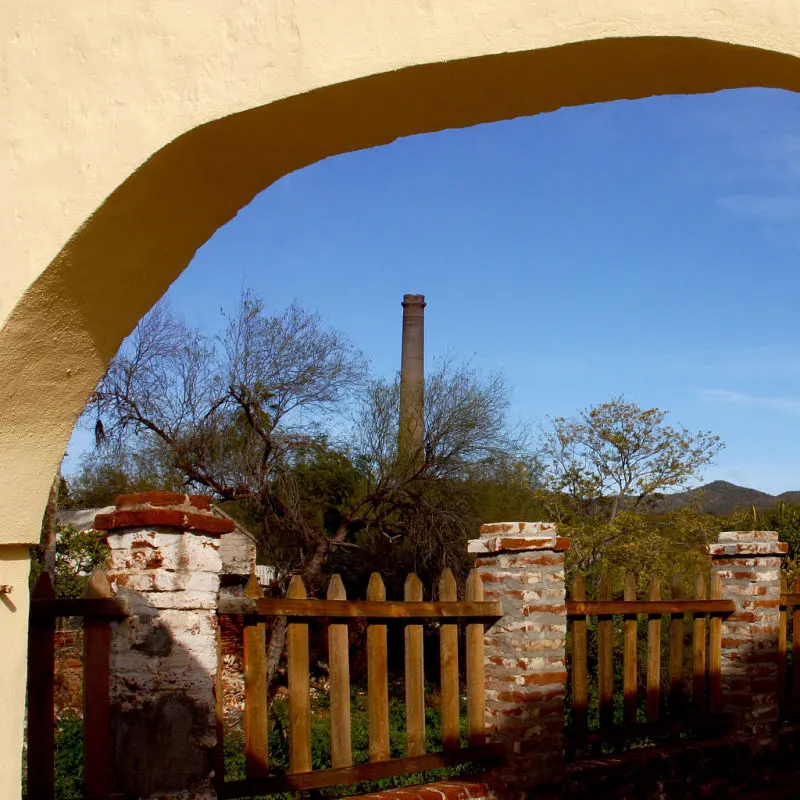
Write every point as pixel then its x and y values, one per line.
pixel 721 497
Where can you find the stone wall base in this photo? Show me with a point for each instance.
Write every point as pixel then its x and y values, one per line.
pixel 718 768
pixel 441 790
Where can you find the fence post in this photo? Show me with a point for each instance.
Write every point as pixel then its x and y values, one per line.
pixel 522 565
pixel 165 561
pixel 96 686
pixel 748 564
pixel 41 669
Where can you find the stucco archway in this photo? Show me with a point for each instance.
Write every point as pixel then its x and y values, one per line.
pixel 106 208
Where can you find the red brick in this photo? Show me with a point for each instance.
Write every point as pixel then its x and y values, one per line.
pixel 543 609
pixel 544 678
pixel 538 561
pixel 523 543
pixel 562 543
pixel 205 523
pixel 155 517
pixel 766 603
pixel 163 518
pixel 528 697
pixel 158 499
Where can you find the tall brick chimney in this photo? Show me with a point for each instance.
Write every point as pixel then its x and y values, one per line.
pixel 412 378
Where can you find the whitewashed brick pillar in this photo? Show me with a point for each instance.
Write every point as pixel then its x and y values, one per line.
pixel 165 561
pixel 748 564
pixel 522 565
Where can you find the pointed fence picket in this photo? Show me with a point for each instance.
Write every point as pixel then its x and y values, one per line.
pixel 381 617
pixel 667 712
pixel 298 684
pixel 339 669
pixel 255 690
pixel 415 675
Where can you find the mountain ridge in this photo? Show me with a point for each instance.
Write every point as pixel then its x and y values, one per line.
pixel 722 498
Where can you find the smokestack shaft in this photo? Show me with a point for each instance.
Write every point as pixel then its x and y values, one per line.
pixel 412 378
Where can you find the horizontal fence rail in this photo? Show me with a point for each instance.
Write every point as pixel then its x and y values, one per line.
pixel 576 608
pixel 108 608
pixel 379 614
pixel 365 609
pixel 98 610
pixel 701 707
pixel 344 776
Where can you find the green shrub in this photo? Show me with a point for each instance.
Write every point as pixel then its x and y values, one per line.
pixel 69 757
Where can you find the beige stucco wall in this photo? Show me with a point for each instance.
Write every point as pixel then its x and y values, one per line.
pixel 14 568
pixel 102 103
pixel 133 129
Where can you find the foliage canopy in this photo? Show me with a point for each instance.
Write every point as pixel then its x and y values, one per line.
pixel 617 454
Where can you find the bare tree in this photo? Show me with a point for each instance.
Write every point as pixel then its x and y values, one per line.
pixel 234 413
pixel 249 416
pixel 426 497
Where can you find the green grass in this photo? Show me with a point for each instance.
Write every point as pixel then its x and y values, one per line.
pixel 69 747
pixel 234 745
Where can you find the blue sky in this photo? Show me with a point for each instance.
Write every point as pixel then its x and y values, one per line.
pixel 644 248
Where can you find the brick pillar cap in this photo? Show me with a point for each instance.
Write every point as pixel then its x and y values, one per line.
pixel 186 512
pixel 150 499
pixel 738 544
pixel 748 536
pixel 518 536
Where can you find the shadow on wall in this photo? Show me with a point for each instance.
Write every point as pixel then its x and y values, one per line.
pixel 165 562
pixel 163 720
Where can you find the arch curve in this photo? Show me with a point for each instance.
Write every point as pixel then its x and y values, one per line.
pixel 137 129
pixel 67 326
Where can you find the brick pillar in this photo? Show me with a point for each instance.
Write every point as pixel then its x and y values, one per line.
pixel 748 564
pixel 165 561
pixel 522 565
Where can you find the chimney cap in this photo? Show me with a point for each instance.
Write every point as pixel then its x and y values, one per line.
pixel 414 300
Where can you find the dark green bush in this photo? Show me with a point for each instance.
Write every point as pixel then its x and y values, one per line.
pixel 69 757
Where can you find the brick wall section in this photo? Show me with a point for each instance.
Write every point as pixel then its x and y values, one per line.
pixel 231 644
pixel 522 565
pixel 165 561
pixel 749 563
pixel 68 687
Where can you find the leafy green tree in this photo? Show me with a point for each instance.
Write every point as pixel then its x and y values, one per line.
pixel 104 475
pixel 616 455
pixel 644 546
pixel 783 518
pixel 508 489
pixel 77 555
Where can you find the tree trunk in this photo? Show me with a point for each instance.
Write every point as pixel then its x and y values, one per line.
pixel 311 574
pixel 277 639
pixel 50 529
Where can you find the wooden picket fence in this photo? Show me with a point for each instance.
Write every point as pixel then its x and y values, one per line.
pixel 704 703
pixel 381 615
pixel 98 609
